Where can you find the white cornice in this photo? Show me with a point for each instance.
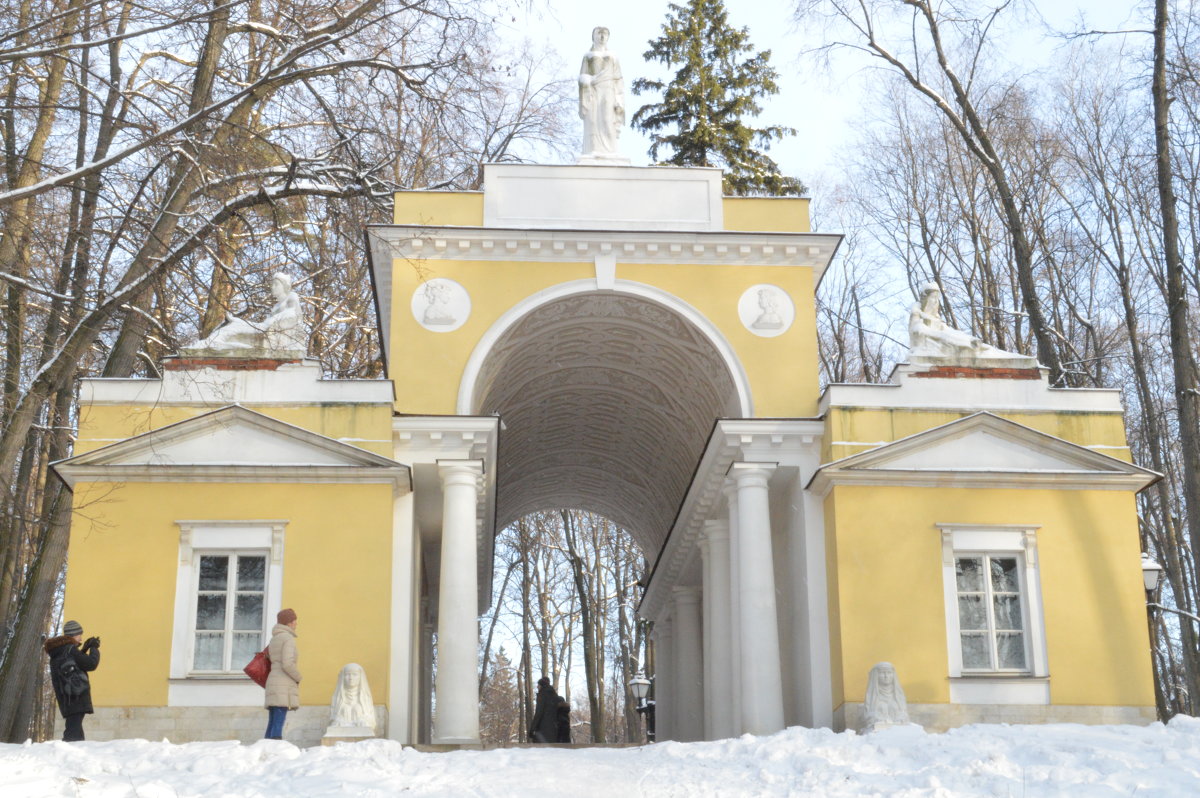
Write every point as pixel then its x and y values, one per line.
pixel 1055 480
pixel 422 242
pixel 397 475
pixel 437 437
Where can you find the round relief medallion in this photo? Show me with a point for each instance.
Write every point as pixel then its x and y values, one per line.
pixel 441 305
pixel 766 310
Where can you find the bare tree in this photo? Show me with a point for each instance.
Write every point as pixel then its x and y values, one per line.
pixel 1086 160
pixel 159 163
pixel 942 55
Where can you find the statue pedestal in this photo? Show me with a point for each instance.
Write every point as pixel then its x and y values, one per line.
pixel 602 195
pixel 248 360
pixel 347 734
pixel 602 160
pixel 994 361
pixel 877 727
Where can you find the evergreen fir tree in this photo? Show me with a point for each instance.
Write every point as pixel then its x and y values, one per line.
pixel 716 88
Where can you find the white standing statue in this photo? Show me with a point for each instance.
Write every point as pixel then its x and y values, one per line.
pixel 931 338
pixel 352 713
pixel 282 332
pixel 601 102
pixel 886 705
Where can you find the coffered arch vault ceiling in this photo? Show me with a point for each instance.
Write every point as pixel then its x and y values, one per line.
pixel 607 401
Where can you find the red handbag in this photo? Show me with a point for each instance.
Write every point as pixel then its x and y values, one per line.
pixel 259 667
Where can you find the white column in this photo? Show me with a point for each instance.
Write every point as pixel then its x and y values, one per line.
pixel 457 719
pixel 706 612
pixel 762 679
pixel 425 716
pixel 664 678
pixel 690 693
pixel 718 641
pixel 403 654
pixel 735 605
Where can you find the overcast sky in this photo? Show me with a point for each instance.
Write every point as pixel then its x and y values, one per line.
pixel 824 105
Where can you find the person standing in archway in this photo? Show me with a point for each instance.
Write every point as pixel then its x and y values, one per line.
pixel 563 721
pixel 544 728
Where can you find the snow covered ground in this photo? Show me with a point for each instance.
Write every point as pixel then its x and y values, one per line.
pixel 995 761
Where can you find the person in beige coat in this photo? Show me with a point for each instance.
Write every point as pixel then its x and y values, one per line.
pixel 283 682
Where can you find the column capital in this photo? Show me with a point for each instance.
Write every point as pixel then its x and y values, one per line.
pixel 686 594
pixel 747 474
pixel 460 472
pixel 715 529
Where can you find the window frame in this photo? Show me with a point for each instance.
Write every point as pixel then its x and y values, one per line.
pixel 963 540
pixel 991 631
pixel 201 538
pixel 231 593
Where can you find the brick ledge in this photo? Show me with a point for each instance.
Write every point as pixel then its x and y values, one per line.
pixel 978 373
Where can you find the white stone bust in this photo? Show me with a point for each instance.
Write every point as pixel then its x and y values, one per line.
pixel 282 332
pixel 769 318
pixel 886 705
pixel 437 311
pixel 352 713
pixel 601 102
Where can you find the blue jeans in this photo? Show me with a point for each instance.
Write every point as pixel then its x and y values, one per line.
pixel 275 718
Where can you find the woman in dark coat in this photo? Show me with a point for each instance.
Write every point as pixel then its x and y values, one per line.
pixel 563 720
pixel 74 694
pixel 544 728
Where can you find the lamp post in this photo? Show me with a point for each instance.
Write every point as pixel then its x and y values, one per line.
pixel 1151 576
pixel 1151 573
pixel 639 685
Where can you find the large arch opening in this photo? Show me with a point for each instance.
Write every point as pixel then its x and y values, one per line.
pixel 607 400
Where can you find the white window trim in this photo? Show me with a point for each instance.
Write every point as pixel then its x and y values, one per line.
pixel 224 537
pixel 1030 687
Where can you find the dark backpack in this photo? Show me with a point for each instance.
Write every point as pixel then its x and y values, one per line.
pixel 74 681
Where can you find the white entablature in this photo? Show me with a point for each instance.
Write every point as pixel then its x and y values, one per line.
pixel 422 242
pixel 790 443
pixel 984 450
pixel 233 444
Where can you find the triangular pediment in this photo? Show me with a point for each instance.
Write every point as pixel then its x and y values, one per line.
pixel 232 440
pixel 984 448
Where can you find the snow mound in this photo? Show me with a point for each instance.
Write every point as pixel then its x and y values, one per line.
pixel 982 760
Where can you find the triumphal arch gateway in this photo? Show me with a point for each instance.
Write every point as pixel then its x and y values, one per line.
pixel 628 341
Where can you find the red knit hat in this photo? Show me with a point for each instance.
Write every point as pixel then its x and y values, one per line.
pixel 286 616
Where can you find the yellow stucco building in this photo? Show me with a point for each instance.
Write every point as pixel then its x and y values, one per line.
pixel 628 341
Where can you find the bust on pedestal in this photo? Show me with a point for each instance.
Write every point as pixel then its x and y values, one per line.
pixel 886 705
pixel 352 714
